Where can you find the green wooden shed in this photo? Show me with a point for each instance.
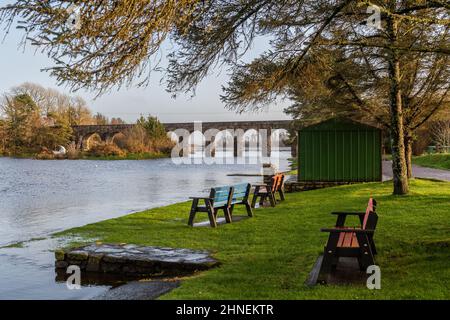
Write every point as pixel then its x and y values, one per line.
pixel 339 150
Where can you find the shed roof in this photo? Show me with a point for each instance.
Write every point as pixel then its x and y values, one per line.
pixel 340 124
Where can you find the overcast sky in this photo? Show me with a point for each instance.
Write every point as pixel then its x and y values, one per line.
pixel 18 66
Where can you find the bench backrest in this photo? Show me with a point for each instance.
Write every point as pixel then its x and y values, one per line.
pixel 273 183
pixel 241 192
pixel 276 182
pixel 221 195
pixel 280 182
pixel 370 218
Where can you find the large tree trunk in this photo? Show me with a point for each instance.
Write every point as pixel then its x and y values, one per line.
pixel 408 153
pixel 397 131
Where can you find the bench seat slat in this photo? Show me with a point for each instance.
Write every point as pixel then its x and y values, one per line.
pixel 348 240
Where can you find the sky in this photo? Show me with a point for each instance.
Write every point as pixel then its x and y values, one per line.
pixel 18 65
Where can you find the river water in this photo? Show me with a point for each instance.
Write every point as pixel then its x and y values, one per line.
pixel 38 198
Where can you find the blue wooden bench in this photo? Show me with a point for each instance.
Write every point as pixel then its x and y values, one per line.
pixel 219 199
pixel 241 194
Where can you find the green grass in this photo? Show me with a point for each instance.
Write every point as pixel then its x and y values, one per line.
pixel 14 245
pixel 270 255
pixel 436 160
pixel 293 164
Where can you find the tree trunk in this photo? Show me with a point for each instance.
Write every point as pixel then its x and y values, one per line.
pixel 408 153
pixel 397 131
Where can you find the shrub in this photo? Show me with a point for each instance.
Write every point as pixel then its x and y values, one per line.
pixel 163 145
pixel 106 149
pixel 45 154
pixel 138 140
pixel 73 152
pixel 134 140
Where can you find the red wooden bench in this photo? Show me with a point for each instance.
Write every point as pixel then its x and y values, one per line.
pixel 345 241
pixel 268 191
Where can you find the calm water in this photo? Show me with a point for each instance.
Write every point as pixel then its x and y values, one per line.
pixel 38 198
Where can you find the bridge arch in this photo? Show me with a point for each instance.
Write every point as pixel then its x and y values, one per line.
pixel 91 140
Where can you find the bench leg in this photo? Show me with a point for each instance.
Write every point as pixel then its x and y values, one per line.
pixel 366 258
pixel 211 215
pixel 272 199
pixel 249 209
pixel 262 199
pixel 193 212
pixel 281 192
pixel 372 245
pixel 227 213
pixel 255 198
pixel 329 256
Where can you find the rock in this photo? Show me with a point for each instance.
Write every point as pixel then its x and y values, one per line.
pixel 77 255
pixel 136 260
pixel 60 255
pixel 111 267
pixel 94 262
pixel 139 290
pixel 61 264
pixel 115 258
pixel 130 269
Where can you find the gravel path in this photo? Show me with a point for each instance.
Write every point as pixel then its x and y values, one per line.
pixel 418 172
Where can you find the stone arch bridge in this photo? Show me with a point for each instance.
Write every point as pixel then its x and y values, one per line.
pixel 83 133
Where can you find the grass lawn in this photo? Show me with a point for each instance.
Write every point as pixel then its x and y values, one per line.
pixel 437 160
pixel 270 255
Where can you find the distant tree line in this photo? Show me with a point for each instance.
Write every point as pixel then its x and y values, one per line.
pixel 36 121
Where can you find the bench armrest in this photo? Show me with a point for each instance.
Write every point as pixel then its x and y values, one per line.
pixel 341 213
pixel 259 185
pixel 347 230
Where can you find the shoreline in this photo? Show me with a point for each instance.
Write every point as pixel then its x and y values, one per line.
pixel 131 156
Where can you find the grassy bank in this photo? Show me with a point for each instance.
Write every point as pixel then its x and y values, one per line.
pixel 84 156
pixel 270 255
pixel 437 161
pixel 128 156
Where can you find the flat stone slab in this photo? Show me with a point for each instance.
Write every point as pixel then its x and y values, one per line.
pixel 129 259
pixel 139 290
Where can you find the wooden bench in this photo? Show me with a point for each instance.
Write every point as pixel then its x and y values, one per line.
pixel 241 194
pixel 268 191
pixel 345 241
pixel 219 199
